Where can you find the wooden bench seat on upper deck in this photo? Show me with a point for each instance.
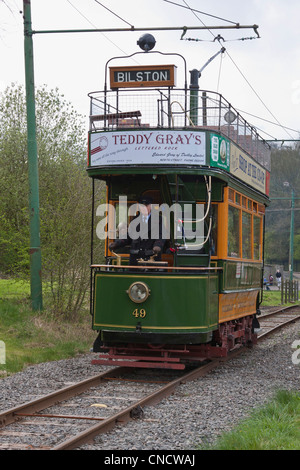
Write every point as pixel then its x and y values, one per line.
pixel 114 117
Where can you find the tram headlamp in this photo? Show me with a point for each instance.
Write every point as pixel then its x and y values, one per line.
pixel 138 292
pixel 146 42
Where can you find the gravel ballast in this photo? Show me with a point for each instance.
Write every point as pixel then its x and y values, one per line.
pixel 197 412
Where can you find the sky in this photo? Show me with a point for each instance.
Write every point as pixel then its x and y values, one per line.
pixel 260 77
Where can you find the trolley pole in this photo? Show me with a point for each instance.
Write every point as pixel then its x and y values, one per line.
pixel 194 91
pixel 33 177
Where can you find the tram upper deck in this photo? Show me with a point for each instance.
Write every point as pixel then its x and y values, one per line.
pixel 174 109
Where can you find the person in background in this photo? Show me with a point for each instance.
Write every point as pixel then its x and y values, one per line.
pixel 278 278
pixel 271 279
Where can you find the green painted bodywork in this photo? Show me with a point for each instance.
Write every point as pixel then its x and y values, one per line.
pixel 177 303
pixel 240 275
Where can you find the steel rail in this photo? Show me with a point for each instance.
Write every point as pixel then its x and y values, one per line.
pixel 125 415
pixel 13 414
pixel 105 424
pixel 33 407
pixel 280 310
pixel 292 318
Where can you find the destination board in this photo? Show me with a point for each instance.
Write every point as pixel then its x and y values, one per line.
pixel 142 76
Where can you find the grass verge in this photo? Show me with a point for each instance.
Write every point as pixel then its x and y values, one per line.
pixel 27 337
pixel 272 298
pixel 276 426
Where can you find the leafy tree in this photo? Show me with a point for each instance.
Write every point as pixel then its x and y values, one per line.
pixel 65 195
pixel 285 167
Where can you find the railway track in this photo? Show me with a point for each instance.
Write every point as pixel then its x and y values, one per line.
pixel 276 319
pixel 22 427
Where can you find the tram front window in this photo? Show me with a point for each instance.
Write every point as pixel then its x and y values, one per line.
pixel 137 229
pixel 197 229
pixel 190 227
pixel 181 222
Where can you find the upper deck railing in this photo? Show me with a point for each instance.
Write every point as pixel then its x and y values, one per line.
pixel 175 109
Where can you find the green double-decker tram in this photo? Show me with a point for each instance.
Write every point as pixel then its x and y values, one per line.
pixel 189 288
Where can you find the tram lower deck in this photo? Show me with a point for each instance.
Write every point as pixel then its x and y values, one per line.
pixel 200 297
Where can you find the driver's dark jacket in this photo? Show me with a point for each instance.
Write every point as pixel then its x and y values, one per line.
pixel 142 247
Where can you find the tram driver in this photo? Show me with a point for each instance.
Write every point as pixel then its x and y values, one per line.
pixel 150 236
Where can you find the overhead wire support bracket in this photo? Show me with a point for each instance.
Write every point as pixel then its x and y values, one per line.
pixel 154 28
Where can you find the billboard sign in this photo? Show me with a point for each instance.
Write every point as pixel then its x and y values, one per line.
pixel 247 169
pixel 157 147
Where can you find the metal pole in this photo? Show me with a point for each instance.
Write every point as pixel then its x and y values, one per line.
pixel 155 28
pixel 291 261
pixel 204 109
pixel 34 216
pixel 194 88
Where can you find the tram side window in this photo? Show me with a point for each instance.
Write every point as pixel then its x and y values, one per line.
pixel 256 237
pixel 246 235
pixel 233 232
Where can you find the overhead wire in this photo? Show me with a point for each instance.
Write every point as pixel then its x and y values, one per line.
pixel 115 14
pixel 224 40
pixel 202 12
pixel 247 81
pixel 267 120
pixel 218 38
pixel 257 95
pixel 194 13
pixel 94 26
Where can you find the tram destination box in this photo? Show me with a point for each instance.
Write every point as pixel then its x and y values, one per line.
pixel 142 76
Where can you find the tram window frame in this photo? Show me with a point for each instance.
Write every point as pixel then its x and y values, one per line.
pixel 248 242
